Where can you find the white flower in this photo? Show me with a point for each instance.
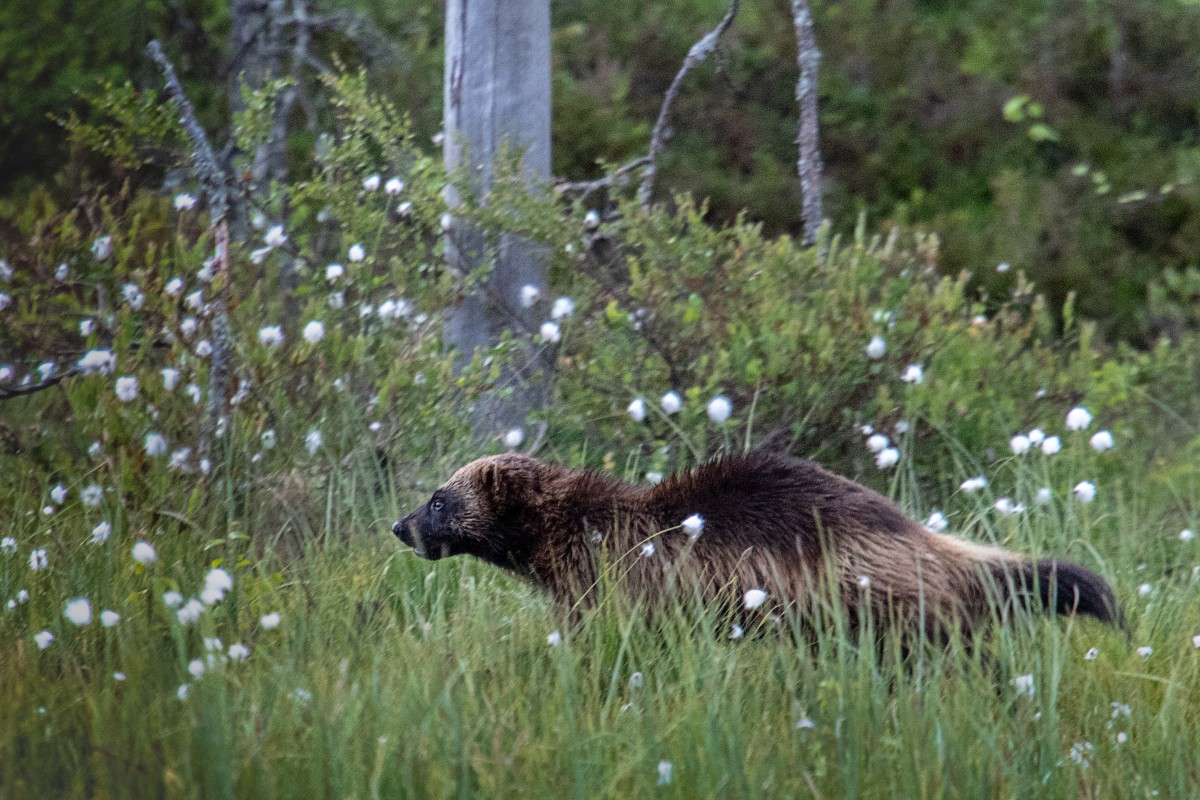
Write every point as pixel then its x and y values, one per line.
pixel 513 438
pixel 6 271
pixel 109 618
pixel 1101 441
pixel 1043 495
pixel 174 287
pixel 188 326
pixel 312 442
pixel 238 652
pixel 1078 418
pixel 1186 535
pixel 1020 444
pixel 371 183
pixel 693 526
pixel 394 186
pixel 118 676
pixel 550 332
pixel 736 632
pixel 204 348
pixel 184 202
pixel 205 273
pixel 133 296
pixel 554 638
pixel 127 388
pixel 8 545
pixel 529 295
pixel 182 692
pixel 102 248
pixel 102 361
pixel 937 522
pixel 337 300
pixel 447 223
pixel 671 402
pixel 101 532
pixel 218 580
pixel 1006 506
pixel 275 236
pixel 914 374
pixel 653 477
pixel 196 668
pixel 1036 436
pixel 23 596
pixel 637 409
pixel 405 208
pixel 1091 654
pixel 1196 642
pixel 268 439
pixel 1023 685
pixel 38 560
pixel 59 493
pixel 86 326
pixel 719 409
pixel 144 553
pixel 357 253
pixel 1081 753
pixel 972 485
pixel 1051 445
pixel 664 772
pixel 901 427
pixel 636 680
pixel 156 445
pixel 46 369
pixel 1003 266
pixel 877 443
pixel 1145 651
pixel 864 582
pixel 270 336
pixel 1122 737
pixel 78 611
pixel 754 598
pixel 190 612
pixel 876 348
pixel 172 599
pixel 805 724
pixel 195 300
pixel 170 378
pixel 334 271
pixel 270 621
pixel 6 373
pixel 1085 491
pixel 647 549
pixel 563 307
pixel 591 220
pixel 43 639
pixel 887 458
pixel 314 331
pixel 1145 590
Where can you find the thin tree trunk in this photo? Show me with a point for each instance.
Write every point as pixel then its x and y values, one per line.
pixel 808 165
pixel 497 97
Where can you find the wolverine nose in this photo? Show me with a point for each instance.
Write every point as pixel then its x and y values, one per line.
pixel 397 526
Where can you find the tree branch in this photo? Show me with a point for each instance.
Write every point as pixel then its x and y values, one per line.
pixel 808 163
pixel 9 392
pixel 616 178
pixel 658 139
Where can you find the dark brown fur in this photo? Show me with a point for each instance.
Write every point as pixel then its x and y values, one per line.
pixel 784 525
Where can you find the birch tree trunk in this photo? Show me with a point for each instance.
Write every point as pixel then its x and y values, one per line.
pixel 497 99
pixel 808 164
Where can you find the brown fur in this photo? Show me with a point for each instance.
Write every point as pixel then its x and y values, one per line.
pixel 785 525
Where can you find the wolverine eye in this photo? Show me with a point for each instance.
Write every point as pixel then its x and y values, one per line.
pixel 438 504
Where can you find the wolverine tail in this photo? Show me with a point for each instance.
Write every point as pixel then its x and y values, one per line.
pixel 1059 585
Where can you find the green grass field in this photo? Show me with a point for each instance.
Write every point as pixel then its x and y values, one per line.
pixel 388 676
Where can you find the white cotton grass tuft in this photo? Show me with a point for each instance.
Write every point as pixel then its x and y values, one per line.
pixel 217 582
pixel 59 493
pixel 78 611
pixel 170 378
pixel 1006 506
pixel 371 182
pixel 109 618
pixel 127 388
pixel 313 441
pixel 189 613
pixel 270 621
pixel 937 522
pixel 394 186
pixel 754 598
pixel 648 549
pixel 513 438
pixel 554 638
pixel 1051 445
pixel 144 553
pixel 1101 441
pixel 101 361
pixel 1036 436
pixel 1078 419
pixel 1020 444
pixel 185 201
pixel 877 443
pixel 693 526
pixel 101 532
pixel 671 402
pixel 914 374
pixel 1186 535
pixel 314 331
pixel 1145 651
pixel 238 652
pixel 38 560
pixel 550 332
pixel 736 631
pixel 356 253
pixel 8 545
pixel 636 409
pixel 1092 654
pixel 172 599
pixel 876 348
pixel 155 445
pixel 563 308
pixel 43 639
pixel 972 485
pixel 1044 495
pixel 719 409
pixel 1024 685
pixel 887 458
pixel 275 236
pixel 270 336
pixel 334 272
pixel 1085 491
pixel 196 668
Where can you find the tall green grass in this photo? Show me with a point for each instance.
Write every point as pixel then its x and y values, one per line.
pixel 394 677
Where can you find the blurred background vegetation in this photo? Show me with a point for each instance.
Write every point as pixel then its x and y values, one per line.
pixel 1056 137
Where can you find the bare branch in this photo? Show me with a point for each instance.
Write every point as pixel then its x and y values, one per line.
pixel 658 139
pixel 614 179
pixel 9 392
pixel 808 164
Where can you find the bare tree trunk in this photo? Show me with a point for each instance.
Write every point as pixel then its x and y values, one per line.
pixel 497 97
pixel 257 48
pixel 809 163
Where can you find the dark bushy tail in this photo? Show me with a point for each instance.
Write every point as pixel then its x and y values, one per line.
pixel 1065 587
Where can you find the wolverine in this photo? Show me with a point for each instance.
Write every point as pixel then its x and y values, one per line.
pixel 755 523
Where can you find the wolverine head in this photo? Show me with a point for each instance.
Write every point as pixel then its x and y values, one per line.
pixel 481 510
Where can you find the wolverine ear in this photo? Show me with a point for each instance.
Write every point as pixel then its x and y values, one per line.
pixel 510 480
